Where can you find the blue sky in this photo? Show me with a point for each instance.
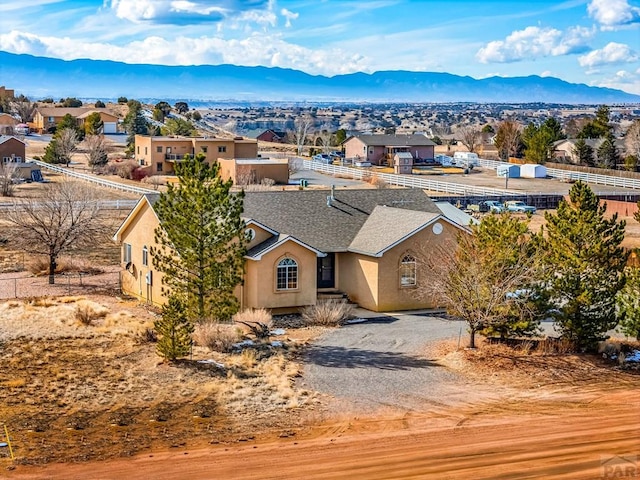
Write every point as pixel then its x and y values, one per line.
pixel 596 42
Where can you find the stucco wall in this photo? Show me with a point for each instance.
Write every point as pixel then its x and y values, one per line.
pixel 260 279
pixel 392 295
pixel 138 234
pixel 359 279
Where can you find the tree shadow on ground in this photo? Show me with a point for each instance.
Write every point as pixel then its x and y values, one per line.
pixel 341 357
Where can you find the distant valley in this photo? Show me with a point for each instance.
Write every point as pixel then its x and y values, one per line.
pixel 41 77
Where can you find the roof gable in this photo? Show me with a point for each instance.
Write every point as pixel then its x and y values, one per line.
pixel 386 227
pixel 147 199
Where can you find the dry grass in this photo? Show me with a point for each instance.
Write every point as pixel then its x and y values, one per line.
pixel 39 266
pixel 216 337
pixel 328 313
pixel 88 312
pixel 105 382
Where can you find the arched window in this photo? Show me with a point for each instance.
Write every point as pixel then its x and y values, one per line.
pixel 287 274
pixel 408 271
pixel 145 256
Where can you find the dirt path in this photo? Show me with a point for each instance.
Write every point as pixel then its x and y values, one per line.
pixel 570 439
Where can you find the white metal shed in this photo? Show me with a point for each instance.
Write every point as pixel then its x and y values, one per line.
pixel 533 170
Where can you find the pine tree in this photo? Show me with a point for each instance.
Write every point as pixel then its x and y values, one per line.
pixel 585 266
pixel 174 330
pixel 134 123
pixel 584 153
pixel 608 156
pixel 628 302
pixel 202 240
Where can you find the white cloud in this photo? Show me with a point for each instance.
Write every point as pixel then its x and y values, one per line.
pixel 547 73
pixel 289 15
pixel 612 14
pixel 622 80
pixel 535 42
pixel 611 53
pixel 181 12
pixel 256 49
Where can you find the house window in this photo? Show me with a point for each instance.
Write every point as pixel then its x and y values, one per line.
pixel 287 274
pixel 126 252
pixel 408 271
pixel 145 256
pixel 50 119
pixel 159 167
pixel 222 149
pixel 159 149
pixel 204 149
pixel 138 151
pixel 146 150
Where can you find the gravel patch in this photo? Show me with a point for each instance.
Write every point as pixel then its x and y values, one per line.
pixel 382 362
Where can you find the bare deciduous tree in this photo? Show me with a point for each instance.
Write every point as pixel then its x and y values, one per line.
pixel 96 150
pixel 470 137
pixel 66 144
pixel 508 139
pixel 63 218
pixel 8 175
pixel 480 281
pixel 302 126
pixel 324 138
pixel 23 108
pixel 632 140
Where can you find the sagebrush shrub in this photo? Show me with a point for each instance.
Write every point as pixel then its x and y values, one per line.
pixel 328 313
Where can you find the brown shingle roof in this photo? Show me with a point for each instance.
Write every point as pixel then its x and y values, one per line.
pixel 394 140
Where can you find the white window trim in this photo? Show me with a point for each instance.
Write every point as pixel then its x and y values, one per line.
pixel 288 268
pixel 126 253
pixel 408 265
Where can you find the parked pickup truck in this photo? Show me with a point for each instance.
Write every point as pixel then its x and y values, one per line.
pixel 487 206
pixel 519 206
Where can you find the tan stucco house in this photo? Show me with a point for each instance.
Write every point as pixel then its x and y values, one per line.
pixel 45 118
pixel 362 243
pixel 161 153
pixel 381 149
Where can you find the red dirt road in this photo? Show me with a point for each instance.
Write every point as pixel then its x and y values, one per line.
pixel 576 439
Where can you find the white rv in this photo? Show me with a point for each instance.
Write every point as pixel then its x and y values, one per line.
pixel 465 159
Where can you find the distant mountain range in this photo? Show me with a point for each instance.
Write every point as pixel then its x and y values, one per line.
pixel 41 77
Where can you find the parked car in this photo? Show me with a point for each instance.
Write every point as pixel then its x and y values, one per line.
pixel 494 206
pixel 519 206
pixel 322 157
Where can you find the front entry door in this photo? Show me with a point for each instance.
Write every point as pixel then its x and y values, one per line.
pixel 326 271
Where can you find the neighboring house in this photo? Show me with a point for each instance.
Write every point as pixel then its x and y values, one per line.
pixel 252 171
pixel 272 136
pixel 12 149
pixel 362 243
pixel 7 124
pixel 563 150
pixel 161 153
pixel 381 149
pixel 6 93
pixel 109 121
pixel 45 118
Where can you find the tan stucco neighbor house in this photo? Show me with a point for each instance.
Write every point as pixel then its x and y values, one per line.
pixel 162 152
pixel 381 149
pixel 362 243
